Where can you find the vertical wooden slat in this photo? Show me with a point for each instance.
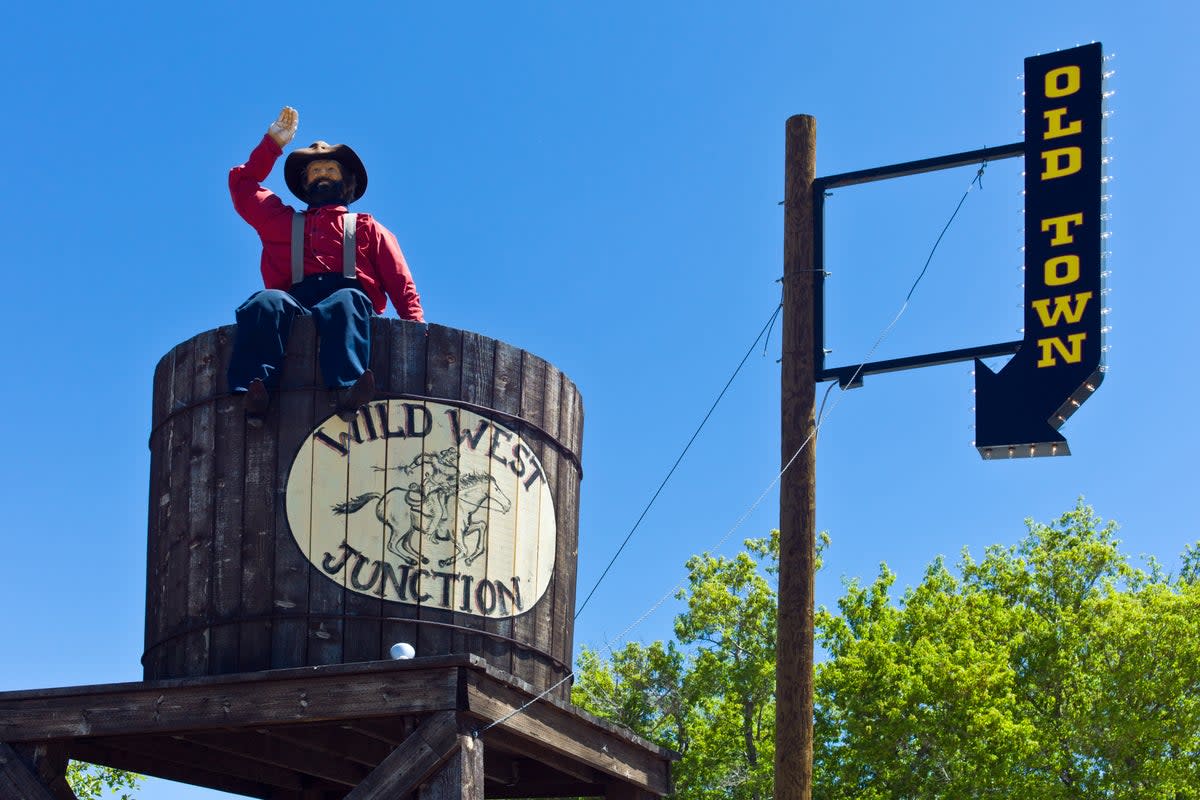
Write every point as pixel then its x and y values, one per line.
pixel 228 511
pixel 201 465
pixel 18 781
pixel 567 550
pixel 294 407
pixel 363 640
pixel 443 378
pixel 478 371
pixel 548 611
pixel 179 436
pixel 326 597
pixel 156 540
pixel 506 397
pixel 533 403
pixel 408 344
pixel 460 777
pixel 258 542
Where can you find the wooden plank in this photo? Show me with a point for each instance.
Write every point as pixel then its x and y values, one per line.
pixel 326 598
pixel 228 510
pixel 201 476
pixel 178 560
pixel 564 733
pixel 478 378
pixel 17 780
pixel 461 777
pixel 408 345
pixel 506 397
pixel 539 404
pixel 391 731
pixel 167 768
pixel 338 739
pixel 153 659
pixel 566 553
pixel 244 764
pixel 329 694
pixel 550 614
pixel 263 748
pixel 258 541
pixel 533 409
pixel 290 595
pixel 49 761
pixel 547 759
pixel 429 746
pixel 363 636
pixel 443 378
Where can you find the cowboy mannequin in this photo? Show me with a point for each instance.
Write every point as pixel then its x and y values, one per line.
pixel 342 272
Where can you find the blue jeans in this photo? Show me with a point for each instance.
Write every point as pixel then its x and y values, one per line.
pixel 342 315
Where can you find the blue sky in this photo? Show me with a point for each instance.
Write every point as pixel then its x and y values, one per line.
pixel 597 184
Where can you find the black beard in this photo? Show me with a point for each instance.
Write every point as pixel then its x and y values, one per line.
pixel 326 193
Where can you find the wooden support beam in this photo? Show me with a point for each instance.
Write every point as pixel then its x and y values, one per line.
pixel 49 762
pixel 429 746
pixel 797 490
pixel 541 757
pixel 159 768
pixel 263 747
pixel 461 777
pixel 173 760
pixel 390 732
pixel 18 780
pixel 340 740
pixel 309 695
pixel 569 734
pixel 346 732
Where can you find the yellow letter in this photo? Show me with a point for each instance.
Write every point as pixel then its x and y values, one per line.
pixel 1062 308
pixel 1054 162
pixel 1062 230
pixel 1051 272
pixel 1070 86
pixel 1074 356
pixel 1054 128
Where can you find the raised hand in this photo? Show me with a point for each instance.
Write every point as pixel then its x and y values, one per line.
pixel 283 129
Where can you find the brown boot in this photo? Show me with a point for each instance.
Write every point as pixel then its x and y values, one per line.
pixel 358 395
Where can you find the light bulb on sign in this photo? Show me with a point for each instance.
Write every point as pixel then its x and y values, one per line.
pixel 402 651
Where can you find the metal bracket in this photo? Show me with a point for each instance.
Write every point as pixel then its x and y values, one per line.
pixel 852 376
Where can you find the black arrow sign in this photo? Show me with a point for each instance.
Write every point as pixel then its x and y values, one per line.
pixel 1019 410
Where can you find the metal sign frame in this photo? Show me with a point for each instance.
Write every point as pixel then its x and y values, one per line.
pixel 1058 364
pixel 851 376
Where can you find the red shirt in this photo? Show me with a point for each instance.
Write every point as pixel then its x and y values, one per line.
pixel 381 267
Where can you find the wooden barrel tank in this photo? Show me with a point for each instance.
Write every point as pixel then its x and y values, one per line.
pixel 445 515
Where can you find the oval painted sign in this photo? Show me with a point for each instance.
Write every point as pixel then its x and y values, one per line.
pixel 425 504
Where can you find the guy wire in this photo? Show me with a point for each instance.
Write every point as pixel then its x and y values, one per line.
pixel 820 419
pixel 671 472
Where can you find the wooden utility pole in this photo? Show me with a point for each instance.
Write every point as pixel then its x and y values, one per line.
pixel 797 491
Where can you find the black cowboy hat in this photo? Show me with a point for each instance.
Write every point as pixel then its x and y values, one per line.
pixel 352 168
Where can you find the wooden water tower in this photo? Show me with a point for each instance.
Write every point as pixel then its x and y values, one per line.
pixel 286 559
pixel 445 515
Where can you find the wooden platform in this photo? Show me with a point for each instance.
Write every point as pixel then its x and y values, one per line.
pixel 438 727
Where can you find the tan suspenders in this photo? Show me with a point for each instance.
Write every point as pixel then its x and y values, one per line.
pixel 349 252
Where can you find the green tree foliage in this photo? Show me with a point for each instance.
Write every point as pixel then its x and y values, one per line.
pixel 1050 669
pixel 91 782
pixel 1053 668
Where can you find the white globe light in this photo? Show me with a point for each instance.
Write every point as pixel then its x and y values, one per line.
pixel 402 650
